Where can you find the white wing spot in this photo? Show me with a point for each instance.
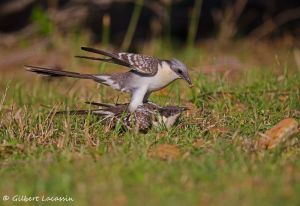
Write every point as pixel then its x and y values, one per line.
pixel 120 55
pixel 107 80
pixel 129 58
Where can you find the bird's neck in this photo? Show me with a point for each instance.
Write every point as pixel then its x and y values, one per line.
pixel 165 73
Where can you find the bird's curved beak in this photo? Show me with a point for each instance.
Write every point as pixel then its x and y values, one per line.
pixel 188 79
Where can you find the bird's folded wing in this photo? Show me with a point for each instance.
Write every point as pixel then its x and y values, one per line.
pixel 143 64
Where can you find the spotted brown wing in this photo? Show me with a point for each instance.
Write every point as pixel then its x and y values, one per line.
pixel 141 63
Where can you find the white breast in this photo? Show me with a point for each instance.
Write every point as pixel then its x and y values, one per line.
pixel 164 76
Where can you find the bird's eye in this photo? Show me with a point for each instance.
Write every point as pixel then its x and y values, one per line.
pixel 179 71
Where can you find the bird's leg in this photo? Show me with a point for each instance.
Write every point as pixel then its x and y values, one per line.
pixel 145 99
pixel 137 98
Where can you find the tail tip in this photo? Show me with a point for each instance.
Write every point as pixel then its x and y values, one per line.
pixel 28 67
pixel 84 48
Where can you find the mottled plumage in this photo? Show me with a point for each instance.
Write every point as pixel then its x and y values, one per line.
pixel 145 117
pixel 140 63
pixel 147 74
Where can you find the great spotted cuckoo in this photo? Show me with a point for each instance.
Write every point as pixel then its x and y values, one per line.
pixel 147 74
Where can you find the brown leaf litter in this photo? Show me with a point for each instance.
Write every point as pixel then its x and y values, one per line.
pixel 165 152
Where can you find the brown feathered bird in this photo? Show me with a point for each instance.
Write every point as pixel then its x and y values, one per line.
pixel 145 117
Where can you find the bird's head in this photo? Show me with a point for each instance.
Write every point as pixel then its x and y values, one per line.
pixel 180 69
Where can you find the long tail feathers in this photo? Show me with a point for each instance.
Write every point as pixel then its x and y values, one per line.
pixel 98 51
pixel 101 104
pixel 95 58
pixel 58 73
pixel 103 79
pixel 73 112
pixel 100 112
pixel 114 58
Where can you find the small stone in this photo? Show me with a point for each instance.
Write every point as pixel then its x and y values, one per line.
pixel 279 133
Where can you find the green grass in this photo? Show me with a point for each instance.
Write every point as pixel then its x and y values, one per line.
pixel 76 157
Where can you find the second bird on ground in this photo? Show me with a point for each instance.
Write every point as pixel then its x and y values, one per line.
pixel 147 74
